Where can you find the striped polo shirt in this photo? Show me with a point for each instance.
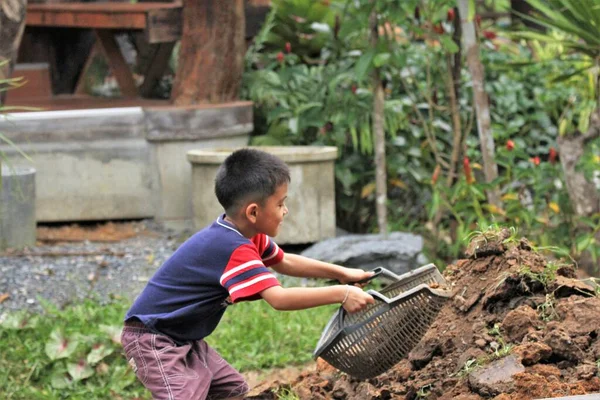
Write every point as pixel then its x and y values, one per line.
pixel 187 296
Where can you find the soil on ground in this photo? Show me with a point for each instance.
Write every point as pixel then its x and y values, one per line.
pixel 519 326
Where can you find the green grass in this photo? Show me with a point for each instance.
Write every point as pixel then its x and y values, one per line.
pixel 250 336
pixel 254 336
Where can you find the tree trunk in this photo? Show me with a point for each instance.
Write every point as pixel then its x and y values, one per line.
pixel 482 106
pixel 211 56
pixel 12 24
pixel 379 136
pixel 583 194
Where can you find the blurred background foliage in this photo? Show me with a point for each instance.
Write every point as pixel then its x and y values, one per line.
pixel 307 74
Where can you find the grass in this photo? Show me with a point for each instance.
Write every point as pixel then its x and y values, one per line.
pixel 73 354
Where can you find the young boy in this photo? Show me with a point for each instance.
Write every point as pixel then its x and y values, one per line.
pixel 223 264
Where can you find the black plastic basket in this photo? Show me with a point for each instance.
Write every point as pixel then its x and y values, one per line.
pixel 369 342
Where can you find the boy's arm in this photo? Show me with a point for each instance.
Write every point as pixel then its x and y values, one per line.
pixel 352 298
pixel 304 267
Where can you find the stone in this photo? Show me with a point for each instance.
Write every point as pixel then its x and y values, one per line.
pixel 398 252
pixel 496 377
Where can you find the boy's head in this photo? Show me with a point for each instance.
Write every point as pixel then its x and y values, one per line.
pixel 253 183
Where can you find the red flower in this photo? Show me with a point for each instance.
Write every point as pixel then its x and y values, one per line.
pixel 489 35
pixel 451 15
pixel 510 145
pixel 288 47
pixel 354 88
pixel 280 57
pixel 468 173
pixel 535 160
pixel 436 174
pixel 553 155
pixel 439 29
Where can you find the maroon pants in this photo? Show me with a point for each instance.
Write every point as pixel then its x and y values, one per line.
pixel 193 371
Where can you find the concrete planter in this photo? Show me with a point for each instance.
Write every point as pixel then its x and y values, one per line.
pixel 17 207
pixel 311 197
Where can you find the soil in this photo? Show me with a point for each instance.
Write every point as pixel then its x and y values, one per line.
pixel 518 327
pixel 93 232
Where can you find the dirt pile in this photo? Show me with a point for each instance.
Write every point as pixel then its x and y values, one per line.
pixel 518 327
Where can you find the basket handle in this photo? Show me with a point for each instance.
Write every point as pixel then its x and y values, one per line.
pixel 380 271
pixel 378 296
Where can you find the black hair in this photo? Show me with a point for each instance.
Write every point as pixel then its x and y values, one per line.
pixel 249 174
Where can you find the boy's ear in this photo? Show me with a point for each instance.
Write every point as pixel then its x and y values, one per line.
pixel 251 212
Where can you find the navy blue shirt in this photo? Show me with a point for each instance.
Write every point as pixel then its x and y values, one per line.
pixel 188 294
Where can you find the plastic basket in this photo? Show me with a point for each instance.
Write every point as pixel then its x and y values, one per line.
pixel 369 342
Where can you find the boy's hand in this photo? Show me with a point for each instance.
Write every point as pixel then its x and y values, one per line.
pixel 356 299
pixel 353 275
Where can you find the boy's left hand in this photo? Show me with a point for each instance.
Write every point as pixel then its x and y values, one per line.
pixel 353 275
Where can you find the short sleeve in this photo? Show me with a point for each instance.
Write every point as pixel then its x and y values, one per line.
pixel 245 275
pixel 269 252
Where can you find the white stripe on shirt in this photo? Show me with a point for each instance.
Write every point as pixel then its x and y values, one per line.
pixel 250 283
pixel 239 268
pixel 275 252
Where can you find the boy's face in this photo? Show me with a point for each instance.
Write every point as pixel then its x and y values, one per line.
pixel 270 216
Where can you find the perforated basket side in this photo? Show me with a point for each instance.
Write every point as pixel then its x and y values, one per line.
pixel 378 345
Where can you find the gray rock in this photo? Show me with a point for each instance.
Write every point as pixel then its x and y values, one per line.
pixel 399 252
pixel 496 377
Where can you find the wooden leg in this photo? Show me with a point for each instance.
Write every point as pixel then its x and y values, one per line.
pixel 80 88
pixel 117 62
pixel 156 67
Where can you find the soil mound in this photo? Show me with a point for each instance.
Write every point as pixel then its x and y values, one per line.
pixel 519 327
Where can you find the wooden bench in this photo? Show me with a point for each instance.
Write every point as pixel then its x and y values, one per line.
pixel 160 22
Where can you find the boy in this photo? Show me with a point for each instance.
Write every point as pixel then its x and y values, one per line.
pixel 223 264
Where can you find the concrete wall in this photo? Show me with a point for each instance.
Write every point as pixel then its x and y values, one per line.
pixel 311 192
pixel 121 162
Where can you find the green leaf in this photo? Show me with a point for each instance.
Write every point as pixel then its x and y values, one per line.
pixel 80 371
pixel 18 321
pixel 59 346
pixel 363 64
pixel 113 331
pixel 448 44
pixel 98 353
pixel 472 9
pixel 381 59
pixel 60 379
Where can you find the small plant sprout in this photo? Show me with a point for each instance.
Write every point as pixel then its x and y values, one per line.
pixel 495 331
pixel 424 391
pixel 501 349
pixel 470 366
pixel 546 309
pixel 285 393
pixel 545 277
pixel 494 232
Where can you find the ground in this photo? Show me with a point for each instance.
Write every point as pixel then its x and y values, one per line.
pixel 519 326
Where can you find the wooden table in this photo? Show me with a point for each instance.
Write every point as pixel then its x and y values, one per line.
pixel 160 22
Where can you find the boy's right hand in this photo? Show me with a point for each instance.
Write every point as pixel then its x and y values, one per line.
pixel 357 299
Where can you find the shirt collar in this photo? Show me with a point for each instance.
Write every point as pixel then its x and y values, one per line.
pixel 225 224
